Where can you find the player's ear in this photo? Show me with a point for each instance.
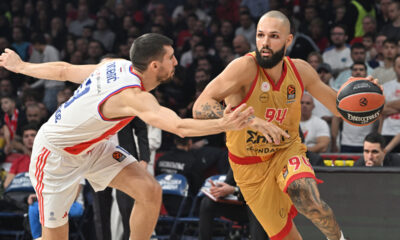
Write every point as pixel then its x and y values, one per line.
pixel 289 40
pixel 153 65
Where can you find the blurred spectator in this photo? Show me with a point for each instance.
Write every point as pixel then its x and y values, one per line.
pixel 58 33
pixel 228 10
pixel 315 59
pixel 368 41
pixel 318 35
pixel 187 57
pixel 383 14
pixel 227 31
pixel 22 47
pixel 202 76
pixel 358 54
pixel 392 144
pixel 4 43
pixel 374 154
pixel 95 52
pixel 186 33
pixel 368 26
pixel 351 137
pixel 13 118
pixel 391 91
pixel 392 30
pixel 21 163
pixel 83 19
pixel 104 34
pixel 82 45
pixel 378 47
pixel 256 7
pixel 181 160
pixel 6 88
pixel 46 53
pixel 315 130
pixel 210 209
pixel 310 13
pixel 192 6
pixel 301 46
pixel 241 46
pixel 325 74
pixel 226 55
pixel 386 72
pixel 154 136
pixel 247 28
pixel 356 10
pixel 338 55
pixel 32 112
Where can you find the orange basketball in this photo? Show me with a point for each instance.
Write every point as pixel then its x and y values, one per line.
pixel 360 101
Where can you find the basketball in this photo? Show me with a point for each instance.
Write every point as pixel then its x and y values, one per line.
pixel 360 101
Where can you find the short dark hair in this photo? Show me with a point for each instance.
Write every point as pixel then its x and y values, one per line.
pixel 376 138
pixel 38 38
pixel 181 141
pixel 357 45
pixel 147 48
pixel 359 63
pixel 31 126
pixel 390 40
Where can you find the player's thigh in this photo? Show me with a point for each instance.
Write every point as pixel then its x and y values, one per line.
pixel 106 161
pixel 113 166
pixel 55 178
pixel 137 182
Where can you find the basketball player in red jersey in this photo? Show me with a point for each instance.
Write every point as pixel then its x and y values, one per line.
pixel 273 173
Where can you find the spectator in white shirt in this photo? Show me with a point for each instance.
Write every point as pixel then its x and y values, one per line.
pixel 315 130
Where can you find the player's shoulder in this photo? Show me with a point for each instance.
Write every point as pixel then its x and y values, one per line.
pixel 244 64
pixel 301 65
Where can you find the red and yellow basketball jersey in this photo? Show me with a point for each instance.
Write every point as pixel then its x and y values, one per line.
pixel 279 103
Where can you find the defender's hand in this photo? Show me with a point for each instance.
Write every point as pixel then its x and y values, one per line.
pixel 11 61
pixel 271 132
pixel 237 119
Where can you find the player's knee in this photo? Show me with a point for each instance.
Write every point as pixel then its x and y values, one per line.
pixel 305 199
pixel 151 192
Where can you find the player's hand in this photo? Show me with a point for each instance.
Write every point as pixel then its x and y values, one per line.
pixel 374 80
pixel 236 119
pixel 221 189
pixel 31 198
pixel 271 132
pixel 10 60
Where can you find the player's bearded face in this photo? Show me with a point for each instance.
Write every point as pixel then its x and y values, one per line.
pixel 272 60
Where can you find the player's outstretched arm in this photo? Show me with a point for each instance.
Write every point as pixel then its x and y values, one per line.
pixel 145 106
pixel 231 81
pixel 61 71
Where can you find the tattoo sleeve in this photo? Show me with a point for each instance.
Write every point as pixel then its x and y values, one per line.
pixel 209 110
pixel 305 196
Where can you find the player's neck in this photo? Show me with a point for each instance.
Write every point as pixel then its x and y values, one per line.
pixel 148 80
pixel 275 72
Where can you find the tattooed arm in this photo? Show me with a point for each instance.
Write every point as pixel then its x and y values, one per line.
pixel 232 86
pixel 305 197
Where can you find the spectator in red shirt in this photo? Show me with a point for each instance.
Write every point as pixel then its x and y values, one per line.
pixel 21 164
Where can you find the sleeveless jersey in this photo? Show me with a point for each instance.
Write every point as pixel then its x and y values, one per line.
pixel 78 125
pixel 277 103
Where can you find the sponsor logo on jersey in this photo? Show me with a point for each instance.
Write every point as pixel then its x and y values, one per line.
pixel 65 214
pixel 119 156
pixel 291 92
pixel 265 86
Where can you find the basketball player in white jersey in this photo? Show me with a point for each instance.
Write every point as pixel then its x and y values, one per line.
pixel 73 143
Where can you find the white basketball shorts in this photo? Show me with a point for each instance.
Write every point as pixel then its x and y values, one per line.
pixel 55 175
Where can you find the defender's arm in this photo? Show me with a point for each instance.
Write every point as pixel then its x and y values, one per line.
pixel 61 71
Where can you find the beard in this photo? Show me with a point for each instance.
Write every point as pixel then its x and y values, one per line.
pixel 273 60
pixel 165 78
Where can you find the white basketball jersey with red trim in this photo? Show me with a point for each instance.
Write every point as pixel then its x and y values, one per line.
pixel 78 125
